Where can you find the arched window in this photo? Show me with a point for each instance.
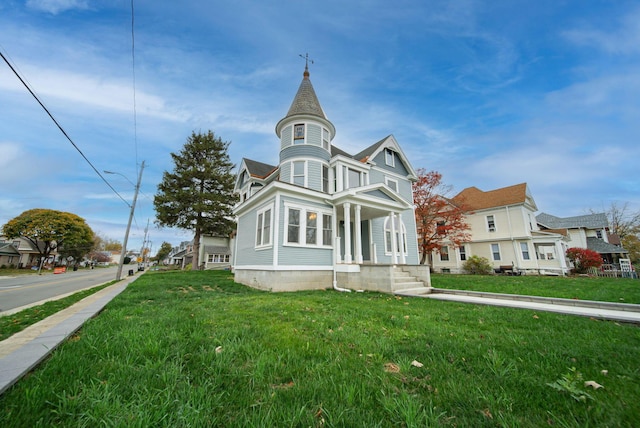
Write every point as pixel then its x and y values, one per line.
pixel 398 227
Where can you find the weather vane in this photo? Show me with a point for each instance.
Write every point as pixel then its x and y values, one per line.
pixel 306 60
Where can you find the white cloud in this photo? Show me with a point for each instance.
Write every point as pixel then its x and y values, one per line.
pixel 56 6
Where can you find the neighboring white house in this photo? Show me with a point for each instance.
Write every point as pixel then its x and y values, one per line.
pixel 504 230
pixel 215 252
pixel 323 217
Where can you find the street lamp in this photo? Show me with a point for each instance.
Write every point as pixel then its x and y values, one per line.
pixel 133 208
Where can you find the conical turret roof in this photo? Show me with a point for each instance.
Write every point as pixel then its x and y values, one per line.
pixel 306 101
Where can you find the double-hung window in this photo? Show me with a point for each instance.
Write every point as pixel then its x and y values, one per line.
pixel 495 251
pixel 326 229
pixel 444 253
pixel 463 253
pixel 525 250
pixel 297 173
pixel 389 157
pixel 293 226
pixel 308 227
pixel 263 228
pixel 325 138
pixel 325 179
pixel 312 228
pixel 491 223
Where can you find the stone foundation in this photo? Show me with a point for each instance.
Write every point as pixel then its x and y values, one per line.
pixel 378 278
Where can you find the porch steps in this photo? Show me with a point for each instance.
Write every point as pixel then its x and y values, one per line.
pixel 406 284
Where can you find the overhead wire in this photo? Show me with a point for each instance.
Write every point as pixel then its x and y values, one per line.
pixel 33 94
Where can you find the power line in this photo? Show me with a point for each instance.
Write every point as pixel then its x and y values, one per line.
pixel 60 127
pixel 133 73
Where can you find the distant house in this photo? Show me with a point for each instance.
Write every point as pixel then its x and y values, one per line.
pixel 215 252
pixel 586 231
pixel 323 217
pixel 29 254
pixel 9 255
pixel 504 230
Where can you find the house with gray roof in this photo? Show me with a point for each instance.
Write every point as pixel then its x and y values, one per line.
pixel 323 217
pixel 585 231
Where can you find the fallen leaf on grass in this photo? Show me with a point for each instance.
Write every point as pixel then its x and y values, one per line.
pixel 536 317
pixel 487 414
pixel 218 349
pixel 593 384
pixel 415 363
pixel 604 372
pixel 391 368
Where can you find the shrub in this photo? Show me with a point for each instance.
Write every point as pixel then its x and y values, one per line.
pixel 583 259
pixel 476 265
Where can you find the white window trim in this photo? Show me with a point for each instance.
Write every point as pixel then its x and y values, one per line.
pixel 326 142
pixel 463 249
pixel 262 245
pixel 388 180
pixel 403 230
pixel 306 172
pixel 486 222
pixel 447 253
pixel 303 139
pixel 524 246
pixel 390 157
pixel 302 233
pixel 499 252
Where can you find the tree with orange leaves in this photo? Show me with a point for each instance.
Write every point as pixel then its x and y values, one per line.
pixel 438 219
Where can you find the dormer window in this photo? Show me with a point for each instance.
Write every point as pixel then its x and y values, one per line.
pixel 389 157
pixel 298 134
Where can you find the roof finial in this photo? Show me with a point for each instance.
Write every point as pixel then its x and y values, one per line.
pixel 306 64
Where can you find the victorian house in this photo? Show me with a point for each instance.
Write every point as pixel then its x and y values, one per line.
pixel 323 217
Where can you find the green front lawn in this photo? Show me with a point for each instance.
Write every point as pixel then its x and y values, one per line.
pixel 185 349
pixel 619 290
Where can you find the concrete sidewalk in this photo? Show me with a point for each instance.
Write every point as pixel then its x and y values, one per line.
pixel 622 312
pixel 21 352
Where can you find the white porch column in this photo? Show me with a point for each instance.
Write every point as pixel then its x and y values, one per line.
pixel 394 241
pixel 339 176
pixel 403 259
pixel 358 234
pixel 561 257
pixel 347 233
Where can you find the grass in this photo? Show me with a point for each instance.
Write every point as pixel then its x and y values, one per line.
pixel 619 290
pixel 185 349
pixel 12 324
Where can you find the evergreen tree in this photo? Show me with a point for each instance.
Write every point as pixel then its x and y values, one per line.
pixel 198 194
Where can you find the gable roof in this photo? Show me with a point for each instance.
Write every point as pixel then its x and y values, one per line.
pixel 477 199
pixel 258 169
pixel 7 249
pixel 589 221
pixel 372 151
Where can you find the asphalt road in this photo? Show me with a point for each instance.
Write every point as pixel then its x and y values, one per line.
pixel 24 290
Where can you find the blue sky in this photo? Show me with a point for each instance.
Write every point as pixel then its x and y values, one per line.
pixel 489 93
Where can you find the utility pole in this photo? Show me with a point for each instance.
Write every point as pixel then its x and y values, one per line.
pixel 144 243
pixel 126 235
